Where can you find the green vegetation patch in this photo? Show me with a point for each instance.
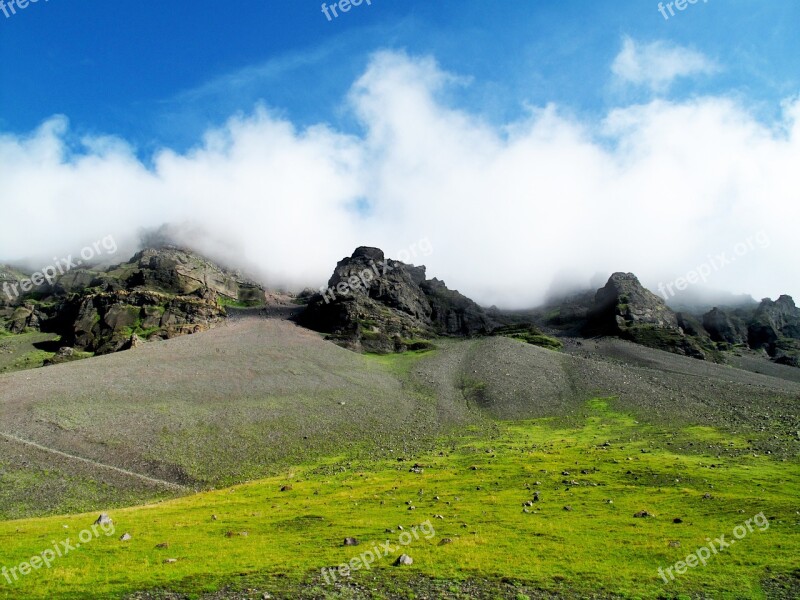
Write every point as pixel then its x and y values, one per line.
pixel 19 352
pixel 543 506
pixel 530 334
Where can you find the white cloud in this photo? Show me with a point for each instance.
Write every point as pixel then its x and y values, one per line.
pixel 654 189
pixel 657 64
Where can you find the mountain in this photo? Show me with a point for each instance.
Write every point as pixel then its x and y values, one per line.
pixel 382 305
pixel 160 293
pixel 625 308
pixel 371 304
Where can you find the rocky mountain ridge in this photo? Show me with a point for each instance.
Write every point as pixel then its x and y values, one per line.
pixel 382 305
pixel 159 294
pixel 375 304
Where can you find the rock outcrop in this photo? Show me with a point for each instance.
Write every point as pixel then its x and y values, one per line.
pixel 775 328
pixel 773 321
pixel 724 326
pixel 381 305
pixel 9 286
pixel 625 308
pixel 159 294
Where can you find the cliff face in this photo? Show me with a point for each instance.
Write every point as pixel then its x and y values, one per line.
pixel 377 304
pixel 725 326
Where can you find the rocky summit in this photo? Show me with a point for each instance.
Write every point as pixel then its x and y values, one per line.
pixel 625 308
pixel 372 303
pixel 378 304
pixel 159 294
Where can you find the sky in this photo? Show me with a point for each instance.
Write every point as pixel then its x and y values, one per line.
pixel 526 145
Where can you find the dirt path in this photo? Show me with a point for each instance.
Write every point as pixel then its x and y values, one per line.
pixel 161 482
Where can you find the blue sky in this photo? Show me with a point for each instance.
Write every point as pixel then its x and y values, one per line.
pixel 580 138
pixel 160 73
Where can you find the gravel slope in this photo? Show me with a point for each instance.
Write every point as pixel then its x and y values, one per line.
pixel 257 395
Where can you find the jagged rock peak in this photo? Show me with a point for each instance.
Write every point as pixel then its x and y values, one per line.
pixel 369 253
pixel 379 304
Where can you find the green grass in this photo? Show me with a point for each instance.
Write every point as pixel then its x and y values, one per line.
pixel 224 301
pixel 529 334
pixel 17 352
pixel 482 482
pixel 399 363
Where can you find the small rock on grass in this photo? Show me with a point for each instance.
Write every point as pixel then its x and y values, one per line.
pixel 349 541
pixel 642 514
pixel 403 559
pixel 103 519
pixel 125 537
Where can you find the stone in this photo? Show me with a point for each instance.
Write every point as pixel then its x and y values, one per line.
pixel 104 519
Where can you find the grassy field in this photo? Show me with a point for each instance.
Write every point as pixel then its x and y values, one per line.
pixel 605 470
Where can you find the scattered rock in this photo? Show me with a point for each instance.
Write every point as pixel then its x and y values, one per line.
pixel 642 514
pixel 445 541
pixel 287 488
pixel 568 508
pixel 349 541
pixel 125 537
pixel 403 559
pixel 103 519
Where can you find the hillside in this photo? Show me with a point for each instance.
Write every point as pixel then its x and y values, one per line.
pixel 246 399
